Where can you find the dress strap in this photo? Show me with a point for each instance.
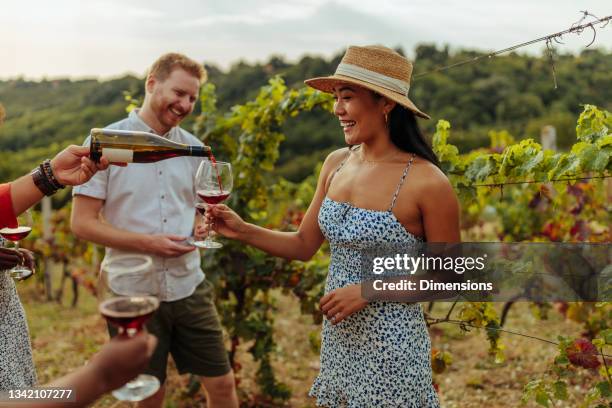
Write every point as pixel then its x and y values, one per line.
pixel 399 185
pixel 338 169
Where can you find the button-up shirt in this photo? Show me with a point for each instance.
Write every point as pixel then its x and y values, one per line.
pixel 153 198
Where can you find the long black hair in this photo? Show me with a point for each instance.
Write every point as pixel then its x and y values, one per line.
pixel 406 134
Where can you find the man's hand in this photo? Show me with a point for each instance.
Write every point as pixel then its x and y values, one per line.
pixel 338 304
pixel 167 245
pixel 72 166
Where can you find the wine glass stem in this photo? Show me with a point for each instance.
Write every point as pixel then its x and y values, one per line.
pixel 17 249
pixel 212 224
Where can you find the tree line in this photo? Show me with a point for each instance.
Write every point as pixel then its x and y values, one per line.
pixel 513 92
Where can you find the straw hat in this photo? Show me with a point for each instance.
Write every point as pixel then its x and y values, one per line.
pixel 377 68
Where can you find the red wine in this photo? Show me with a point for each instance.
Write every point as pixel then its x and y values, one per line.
pixel 213 196
pixel 15 234
pixel 129 313
pixel 201 208
pixel 211 156
pixel 212 159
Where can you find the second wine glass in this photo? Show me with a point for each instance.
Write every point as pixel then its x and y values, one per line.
pixel 213 184
pixel 21 271
pixel 128 292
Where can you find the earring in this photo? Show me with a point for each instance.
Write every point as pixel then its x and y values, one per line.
pixel 386 118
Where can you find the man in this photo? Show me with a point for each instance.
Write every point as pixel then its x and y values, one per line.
pixel 149 208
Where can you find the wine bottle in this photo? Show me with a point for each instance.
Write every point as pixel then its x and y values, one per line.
pixel 127 146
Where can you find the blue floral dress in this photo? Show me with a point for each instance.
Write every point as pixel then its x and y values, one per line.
pixel 380 356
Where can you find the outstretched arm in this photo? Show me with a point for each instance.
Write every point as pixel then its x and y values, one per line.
pixel 119 361
pixel 301 245
pixel 70 167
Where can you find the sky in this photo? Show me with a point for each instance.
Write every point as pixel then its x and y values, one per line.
pixel 108 38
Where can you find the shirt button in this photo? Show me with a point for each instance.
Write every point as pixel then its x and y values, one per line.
pixel 165 220
pixel 160 172
pixel 163 196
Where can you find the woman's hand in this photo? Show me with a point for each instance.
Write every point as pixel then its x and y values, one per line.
pixel 28 260
pixel 122 359
pixel 9 258
pixel 72 166
pixel 225 221
pixel 338 304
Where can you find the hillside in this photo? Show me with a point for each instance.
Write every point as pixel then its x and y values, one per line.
pixel 513 92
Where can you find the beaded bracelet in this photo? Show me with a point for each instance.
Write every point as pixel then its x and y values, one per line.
pixel 45 180
pixel 49 172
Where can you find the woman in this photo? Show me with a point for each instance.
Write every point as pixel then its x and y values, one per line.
pixel 385 188
pixel 69 167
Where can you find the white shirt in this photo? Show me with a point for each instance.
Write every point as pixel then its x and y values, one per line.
pixel 153 198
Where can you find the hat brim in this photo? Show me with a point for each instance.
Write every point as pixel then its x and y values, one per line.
pixel 326 84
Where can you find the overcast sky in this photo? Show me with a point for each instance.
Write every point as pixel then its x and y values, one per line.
pixel 105 38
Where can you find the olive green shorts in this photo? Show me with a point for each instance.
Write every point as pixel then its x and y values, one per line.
pixel 188 329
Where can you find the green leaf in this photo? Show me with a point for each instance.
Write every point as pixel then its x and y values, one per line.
pixel 560 390
pixel 481 168
pixel 598 342
pixel 531 164
pixel 567 165
pixel 604 389
pixel 606 335
pixel 593 124
pixel 542 398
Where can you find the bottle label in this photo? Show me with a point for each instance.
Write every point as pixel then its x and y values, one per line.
pixel 118 155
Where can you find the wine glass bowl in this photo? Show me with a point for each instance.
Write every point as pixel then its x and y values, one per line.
pixel 128 296
pixel 21 271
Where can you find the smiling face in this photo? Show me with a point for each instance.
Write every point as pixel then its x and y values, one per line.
pixel 170 100
pixel 361 113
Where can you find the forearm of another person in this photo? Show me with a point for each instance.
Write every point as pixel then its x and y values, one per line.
pixel 24 194
pixel 70 167
pixel 87 224
pixel 302 244
pixel 119 361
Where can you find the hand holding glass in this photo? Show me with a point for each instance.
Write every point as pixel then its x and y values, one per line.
pixel 21 271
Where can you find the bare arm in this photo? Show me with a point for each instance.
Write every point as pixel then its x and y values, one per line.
pixel 302 244
pixel 119 361
pixel 440 211
pixel 71 167
pixel 24 194
pixel 87 224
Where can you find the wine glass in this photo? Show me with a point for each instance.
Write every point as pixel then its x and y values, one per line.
pixel 128 296
pixel 21 271
pixel 213 185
